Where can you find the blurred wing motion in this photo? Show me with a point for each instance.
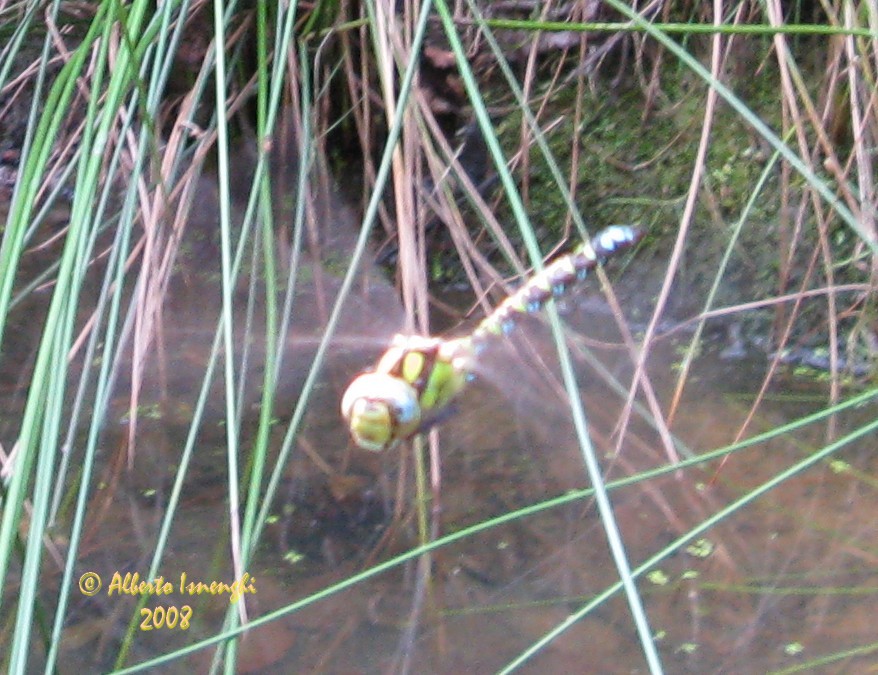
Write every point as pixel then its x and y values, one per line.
pixel 416 379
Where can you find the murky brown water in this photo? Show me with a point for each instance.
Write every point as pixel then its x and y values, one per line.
pixel 787 580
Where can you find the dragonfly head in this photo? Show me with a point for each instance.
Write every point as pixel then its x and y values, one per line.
pixel 380 410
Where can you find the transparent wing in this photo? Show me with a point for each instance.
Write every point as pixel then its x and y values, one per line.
pixel 167 352
pixel 520 403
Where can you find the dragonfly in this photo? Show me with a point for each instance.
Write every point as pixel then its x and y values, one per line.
pixel 413 384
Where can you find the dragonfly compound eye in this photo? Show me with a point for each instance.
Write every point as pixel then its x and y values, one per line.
pixel 380 410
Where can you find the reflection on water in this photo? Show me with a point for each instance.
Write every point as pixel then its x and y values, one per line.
pixel 787 579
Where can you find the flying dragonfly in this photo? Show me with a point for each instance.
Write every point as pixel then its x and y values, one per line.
pixel 415 381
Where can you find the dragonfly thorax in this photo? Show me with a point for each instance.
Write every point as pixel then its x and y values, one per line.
pixel 411 386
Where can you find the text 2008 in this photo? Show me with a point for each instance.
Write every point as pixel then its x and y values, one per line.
pixel 156 618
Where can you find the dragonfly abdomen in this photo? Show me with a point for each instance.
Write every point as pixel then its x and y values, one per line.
pixel 557 278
